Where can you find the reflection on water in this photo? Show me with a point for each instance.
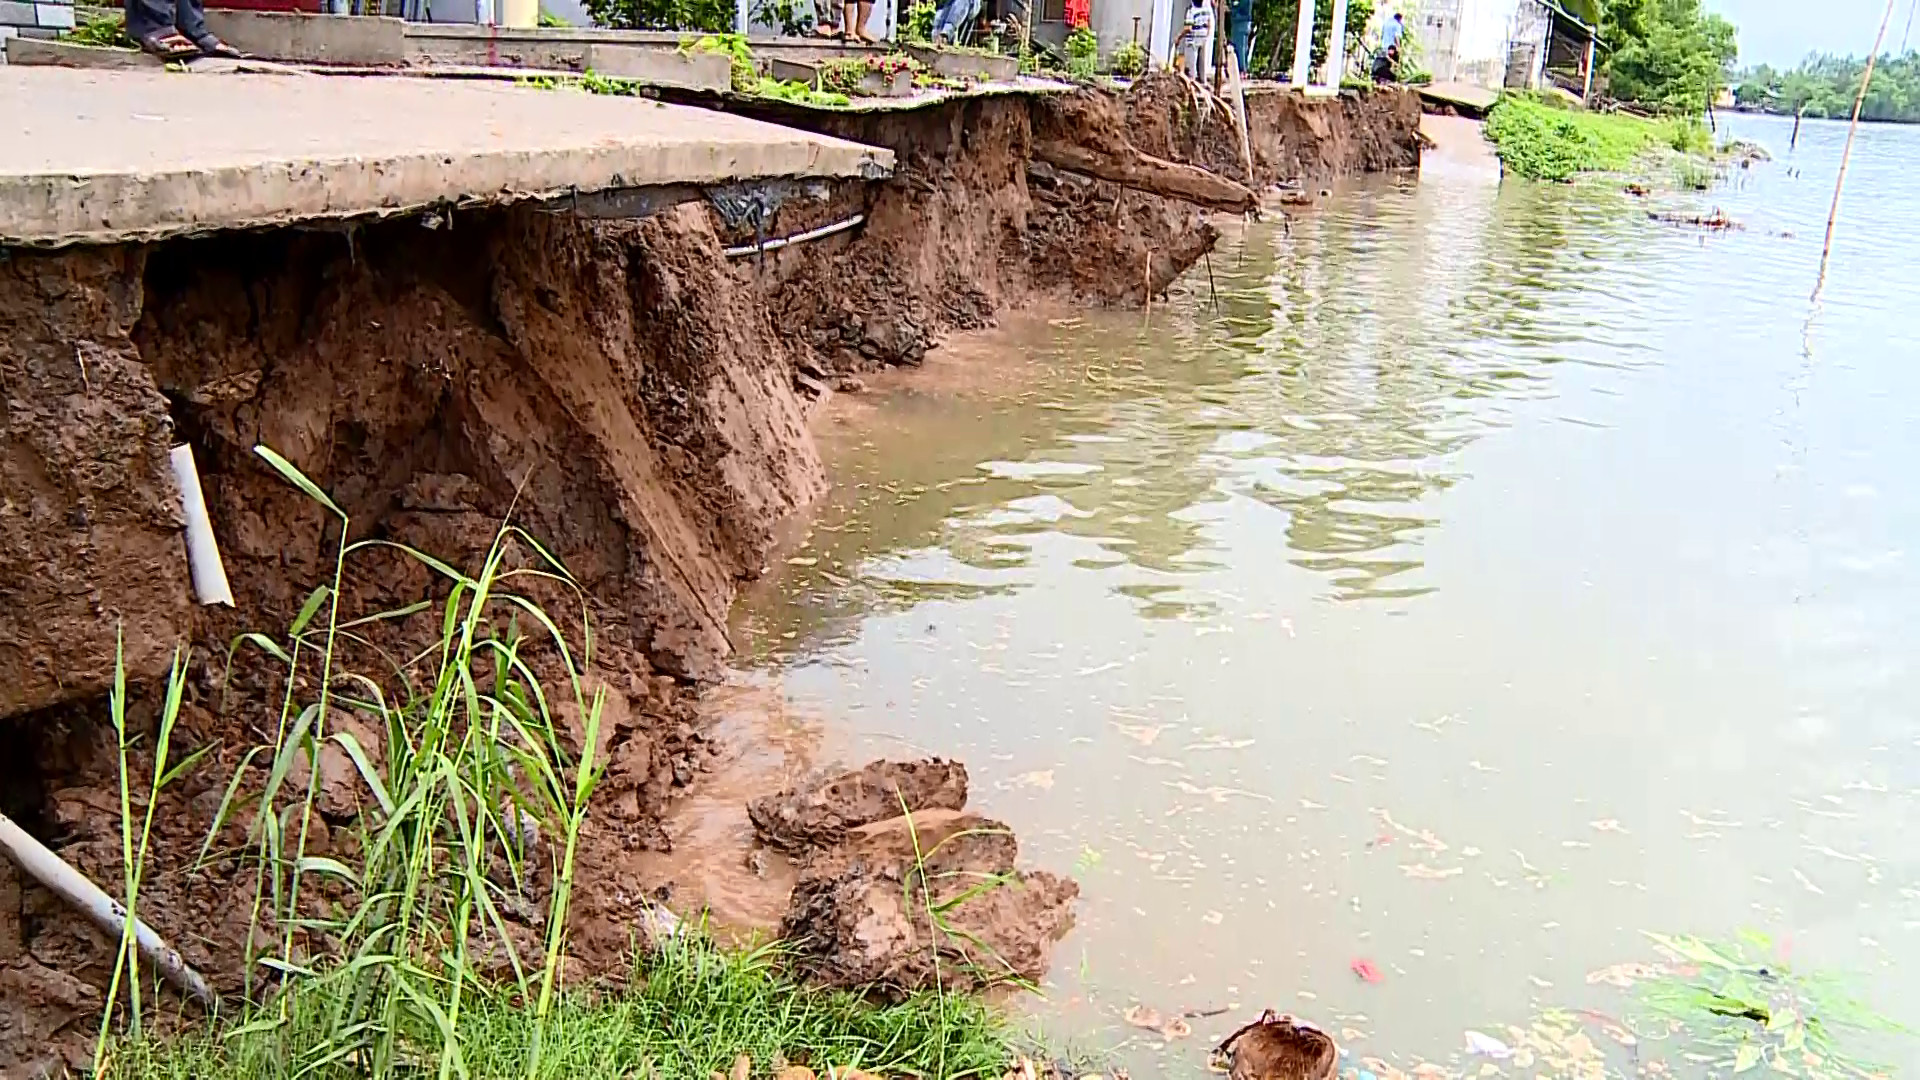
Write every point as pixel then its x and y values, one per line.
pixel 1465 579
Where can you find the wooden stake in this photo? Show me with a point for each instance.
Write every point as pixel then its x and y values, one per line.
pixel 1839 181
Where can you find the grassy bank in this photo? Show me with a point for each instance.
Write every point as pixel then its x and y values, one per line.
pixel 690 1010
pixel 1545 142
pixel 467 774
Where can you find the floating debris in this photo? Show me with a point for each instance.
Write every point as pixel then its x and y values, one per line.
pixel 1718 221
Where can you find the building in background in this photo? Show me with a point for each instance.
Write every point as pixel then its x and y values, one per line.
pixel 1549 48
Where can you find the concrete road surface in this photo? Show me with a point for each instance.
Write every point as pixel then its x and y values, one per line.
pixel 100 157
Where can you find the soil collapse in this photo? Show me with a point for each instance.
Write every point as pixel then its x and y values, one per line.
pixel 622 389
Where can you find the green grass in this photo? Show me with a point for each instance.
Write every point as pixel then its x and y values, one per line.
pixel 691 1009
pixel 470 777
pixel 1544 142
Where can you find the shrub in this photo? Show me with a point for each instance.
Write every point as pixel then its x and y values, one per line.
pixel 1130 60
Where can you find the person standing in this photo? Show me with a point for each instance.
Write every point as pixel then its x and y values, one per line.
pixel 1391 34
pixel 1240 31
pixel 951 22
pixel 174 29
pixel 857 16
pixel 1196 39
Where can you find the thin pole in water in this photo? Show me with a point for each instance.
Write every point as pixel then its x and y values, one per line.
pixel 1839 181
pixel 1210 286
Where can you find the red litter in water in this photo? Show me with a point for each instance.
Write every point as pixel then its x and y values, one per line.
pixel 1364 968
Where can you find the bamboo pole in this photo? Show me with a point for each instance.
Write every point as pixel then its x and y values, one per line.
pixel 1839 181
pixel 106 912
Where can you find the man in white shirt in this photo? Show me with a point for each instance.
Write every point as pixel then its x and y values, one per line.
pixel 1196 39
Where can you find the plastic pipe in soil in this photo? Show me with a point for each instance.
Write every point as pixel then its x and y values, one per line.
pixel 106 912
pixel 203 554
pixel 797 238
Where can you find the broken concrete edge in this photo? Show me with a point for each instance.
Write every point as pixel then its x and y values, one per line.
pixel 28 52
pixel 709 72
pixel 622 202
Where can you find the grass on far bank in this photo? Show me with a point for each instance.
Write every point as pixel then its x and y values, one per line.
pixel 691 1009
pixel 1545 142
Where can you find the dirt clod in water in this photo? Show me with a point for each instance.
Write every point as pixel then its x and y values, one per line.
pixel 872 913
pixel 819 814
pixel 1280 1048
pixel 895 902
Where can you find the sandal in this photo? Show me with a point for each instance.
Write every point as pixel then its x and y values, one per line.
pixel 168 45
pixel 213 46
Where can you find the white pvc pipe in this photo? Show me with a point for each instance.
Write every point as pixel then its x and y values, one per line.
pixel 1303 46
pixel 203 554
pixel 1337 46
pixel 797 238
pixel 73 887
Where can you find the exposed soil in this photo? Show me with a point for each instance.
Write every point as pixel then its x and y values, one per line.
pixel 821 814
pixel 621 389
pixel 898 902
pixel 1302 141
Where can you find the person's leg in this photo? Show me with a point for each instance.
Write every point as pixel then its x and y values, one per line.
pixel 849 13
pixel 150 22
pixel 866 13
pixel 146 16
pixel 969 13
pixel 190 18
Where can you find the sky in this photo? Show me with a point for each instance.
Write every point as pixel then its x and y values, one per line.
pixel 1781 32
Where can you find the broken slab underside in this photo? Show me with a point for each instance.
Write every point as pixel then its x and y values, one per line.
pixel 96 157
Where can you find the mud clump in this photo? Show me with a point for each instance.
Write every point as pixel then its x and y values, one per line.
pixel 1280 1048
pixel 913 901
pixel 820 814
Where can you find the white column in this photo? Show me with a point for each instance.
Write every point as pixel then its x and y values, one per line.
pixel 1586 89
pixel 1337 45
pixel 1303 46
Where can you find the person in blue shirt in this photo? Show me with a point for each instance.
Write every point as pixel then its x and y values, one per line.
pixel 1391 34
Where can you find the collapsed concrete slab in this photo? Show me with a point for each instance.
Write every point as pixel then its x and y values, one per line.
pixel 93 157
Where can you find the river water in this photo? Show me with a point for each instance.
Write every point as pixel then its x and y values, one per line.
pixel 1463 578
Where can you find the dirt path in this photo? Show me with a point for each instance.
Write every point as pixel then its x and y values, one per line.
pixel 1458 146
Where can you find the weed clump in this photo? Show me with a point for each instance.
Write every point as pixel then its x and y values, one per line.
pixel 688 1011
pixel 1541 141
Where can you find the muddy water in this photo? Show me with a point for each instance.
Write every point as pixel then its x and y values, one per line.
pixel 1473 577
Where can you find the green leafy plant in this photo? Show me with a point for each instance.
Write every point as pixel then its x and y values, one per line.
pixel 1083 53
pixel 551 21
pixel 800 94
pixel 919 24
pixel 710 16
pixel 1740 1008
pixel 745 74
pixel 135 840
pixel 1130 60
pixel 460 772
pixel 793 17
pixel 1692 174
pixel 109 32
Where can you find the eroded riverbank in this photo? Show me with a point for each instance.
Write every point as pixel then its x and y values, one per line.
pixel 623 390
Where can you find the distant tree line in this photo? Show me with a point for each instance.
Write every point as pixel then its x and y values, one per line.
pixel 1825 86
